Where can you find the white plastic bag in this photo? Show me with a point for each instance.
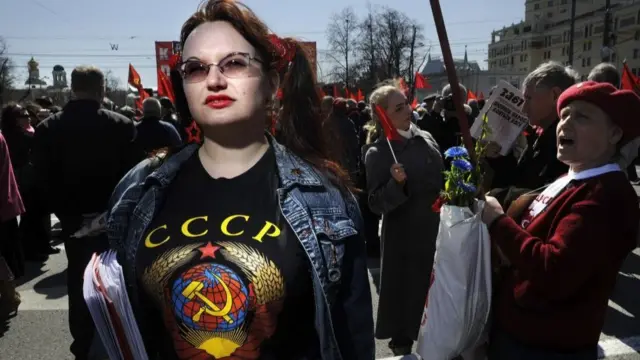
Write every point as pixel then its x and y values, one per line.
pixel 457 310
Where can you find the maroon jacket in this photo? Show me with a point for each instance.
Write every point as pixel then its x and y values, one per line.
pixel 565 263
pixel 10 201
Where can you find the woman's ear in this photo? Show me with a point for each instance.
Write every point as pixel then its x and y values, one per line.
pixel 616 135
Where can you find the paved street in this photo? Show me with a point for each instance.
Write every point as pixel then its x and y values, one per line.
pixel 40 331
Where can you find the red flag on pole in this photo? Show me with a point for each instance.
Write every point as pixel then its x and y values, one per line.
pixel 421 82
pixel 136 82
pixel 360 96
pixel 403 86
pixel 390 132
pixel 629 81
pixel 164 86
pixel 471 95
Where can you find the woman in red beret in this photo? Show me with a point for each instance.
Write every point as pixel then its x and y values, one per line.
pixel 565 250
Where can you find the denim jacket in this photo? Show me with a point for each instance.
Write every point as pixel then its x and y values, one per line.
pixel 327 224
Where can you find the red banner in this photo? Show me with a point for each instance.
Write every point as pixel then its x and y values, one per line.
pixel 164 52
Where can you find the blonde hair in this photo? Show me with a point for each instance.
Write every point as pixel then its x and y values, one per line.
pixel 379 97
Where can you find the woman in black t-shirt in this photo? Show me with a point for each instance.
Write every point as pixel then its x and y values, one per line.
pixel 240 247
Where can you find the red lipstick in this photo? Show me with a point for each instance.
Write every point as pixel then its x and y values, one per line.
pixel 218 101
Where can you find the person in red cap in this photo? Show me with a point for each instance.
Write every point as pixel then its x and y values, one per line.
pixel 565 249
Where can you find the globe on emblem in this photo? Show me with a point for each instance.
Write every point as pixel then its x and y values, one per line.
pixel 210 297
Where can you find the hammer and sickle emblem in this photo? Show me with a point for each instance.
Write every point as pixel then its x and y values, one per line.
pixel 193 290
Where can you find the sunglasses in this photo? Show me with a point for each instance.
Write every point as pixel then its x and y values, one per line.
pixel 235 65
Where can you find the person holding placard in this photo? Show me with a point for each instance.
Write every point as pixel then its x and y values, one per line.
pixel 538 165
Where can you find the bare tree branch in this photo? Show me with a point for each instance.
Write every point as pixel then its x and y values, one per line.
pixel 341 33
pixel 7 77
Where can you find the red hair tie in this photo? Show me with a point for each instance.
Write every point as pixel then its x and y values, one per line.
pixel 283 51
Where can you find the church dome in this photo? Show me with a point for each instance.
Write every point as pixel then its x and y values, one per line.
pixel 58 68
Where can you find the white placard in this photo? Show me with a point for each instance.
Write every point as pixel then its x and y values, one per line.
pixel 505 117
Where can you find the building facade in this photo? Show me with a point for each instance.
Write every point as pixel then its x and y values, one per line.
pixel 544 35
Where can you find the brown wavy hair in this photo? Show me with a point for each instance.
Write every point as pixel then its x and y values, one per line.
pixel 299 114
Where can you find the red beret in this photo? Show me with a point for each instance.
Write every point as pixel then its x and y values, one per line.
pixel 622 106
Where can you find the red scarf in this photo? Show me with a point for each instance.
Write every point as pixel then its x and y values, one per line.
pixel 10 201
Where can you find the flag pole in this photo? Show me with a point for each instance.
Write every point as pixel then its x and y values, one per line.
pixel 395 159
pixel 453 77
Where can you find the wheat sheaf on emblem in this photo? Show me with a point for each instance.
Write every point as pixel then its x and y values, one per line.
pixel 267 279
pixel 156 276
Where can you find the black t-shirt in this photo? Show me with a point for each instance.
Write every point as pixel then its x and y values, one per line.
pixel 222 268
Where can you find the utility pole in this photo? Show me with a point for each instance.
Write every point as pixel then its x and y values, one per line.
pixel 572 30
pixel 606 49
pixel 346 56
pixel 411 60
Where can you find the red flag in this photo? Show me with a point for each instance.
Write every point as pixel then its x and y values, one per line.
pixel 421 82
pixel 360 96
pixel 471 95
pixel 629 81
pixel 164 86
pixel 481 96
pixel 414 103
pixel 403 86
pixel 136 82
pixel 390 132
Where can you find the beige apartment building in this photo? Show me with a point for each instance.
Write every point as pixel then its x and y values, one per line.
pixel 516 50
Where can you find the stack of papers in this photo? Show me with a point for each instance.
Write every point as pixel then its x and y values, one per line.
pixel 106 296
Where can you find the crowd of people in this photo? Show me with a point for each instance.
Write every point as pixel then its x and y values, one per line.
pixel 252 243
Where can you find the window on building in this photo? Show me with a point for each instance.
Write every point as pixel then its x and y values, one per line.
pixel 588 61
pixel 635 53
pixel 634 71
pixel 584 62
pixel 563 2
pixel 590 29
pixel 636 36
pixel 563 52
pixel 536 6
pixel 586 30
pixel 550 3
pixel 615 24
pixel 512 60
pixel 549 14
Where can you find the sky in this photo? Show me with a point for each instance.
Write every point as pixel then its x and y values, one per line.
pixel 80 32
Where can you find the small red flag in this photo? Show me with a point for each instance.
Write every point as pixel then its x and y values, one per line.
pixel 414 103
pixel 403 86
pixel 360 96
pixel 390 131
pixel 135 81
pixel 421 82
pixel 629 81
pixel 164 86
pixel 471 95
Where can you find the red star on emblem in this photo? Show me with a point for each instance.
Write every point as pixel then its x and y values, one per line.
pixel 193 132
pixel 208 251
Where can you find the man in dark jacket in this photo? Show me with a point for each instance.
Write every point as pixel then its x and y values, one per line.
pixel 79 155
pixel 153 133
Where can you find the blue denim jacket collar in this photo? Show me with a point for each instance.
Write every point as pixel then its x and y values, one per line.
pixel 292 170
